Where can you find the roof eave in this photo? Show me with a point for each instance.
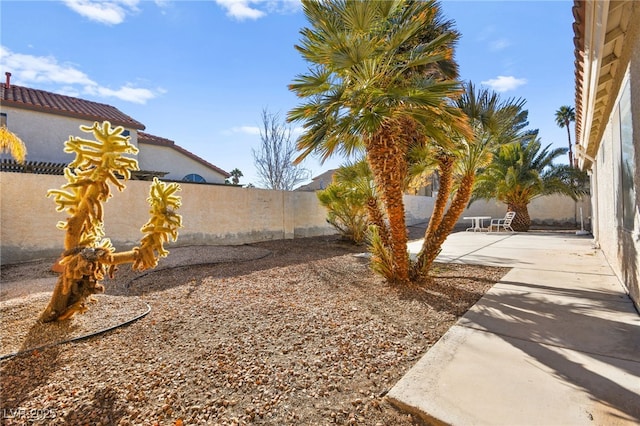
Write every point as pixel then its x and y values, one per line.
pixel 20 105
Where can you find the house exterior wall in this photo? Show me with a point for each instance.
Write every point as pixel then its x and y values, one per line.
pixel 622 246
pixel 615 165
pixel 212 214
pixel 45 134
pixel 163 158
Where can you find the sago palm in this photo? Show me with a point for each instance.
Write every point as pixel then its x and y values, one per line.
pixel 365 89
pixel 521 172
pixel 349 199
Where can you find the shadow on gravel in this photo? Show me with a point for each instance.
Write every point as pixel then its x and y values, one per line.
pixel 250 258
pixel 35 368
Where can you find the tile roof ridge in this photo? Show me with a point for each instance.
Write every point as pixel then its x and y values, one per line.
pixel 56 103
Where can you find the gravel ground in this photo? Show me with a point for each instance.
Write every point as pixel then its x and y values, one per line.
pixel 294 332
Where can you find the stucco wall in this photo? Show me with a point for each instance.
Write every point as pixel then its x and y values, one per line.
pixel 45 134
pixel 621 246
pixel 213 214
pixel 164 158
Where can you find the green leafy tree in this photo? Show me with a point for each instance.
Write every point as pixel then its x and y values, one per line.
pixel 368 88
pixel 565 115
pixel 521 172
pixel 88 256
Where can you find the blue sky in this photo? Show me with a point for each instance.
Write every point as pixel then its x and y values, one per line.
pixel 201 72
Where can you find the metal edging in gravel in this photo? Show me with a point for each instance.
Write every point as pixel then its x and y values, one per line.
pixel 76 339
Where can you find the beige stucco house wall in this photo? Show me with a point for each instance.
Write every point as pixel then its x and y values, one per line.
pixel 178 165
pixel 608 128
pixel 44 134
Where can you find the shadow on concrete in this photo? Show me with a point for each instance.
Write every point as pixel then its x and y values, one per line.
pixel 522 319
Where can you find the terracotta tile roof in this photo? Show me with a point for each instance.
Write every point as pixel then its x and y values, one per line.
pixel 158 141
pixel 53 103
pixel 578 43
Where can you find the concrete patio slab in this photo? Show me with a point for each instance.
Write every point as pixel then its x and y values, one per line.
pixel 477 378
pixel 594 286
pixel 555 342
pixel 565 319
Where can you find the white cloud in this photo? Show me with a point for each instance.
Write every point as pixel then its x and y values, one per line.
pixel 247 130
pixel 66 78
pixel 41 69
pixel 105 12
pixel 125 93
pixel 240 9
pixel 499 44
pixel 256 9
pixel 504 83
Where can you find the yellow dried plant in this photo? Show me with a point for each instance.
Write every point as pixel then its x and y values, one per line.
pixel 88 256
pixel 12 144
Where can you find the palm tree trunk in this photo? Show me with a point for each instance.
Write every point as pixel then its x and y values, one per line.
pixel 570 152
pixel 377 218
pixel 522 221
pixel 389 166
pixel 432 246
pixel 445 167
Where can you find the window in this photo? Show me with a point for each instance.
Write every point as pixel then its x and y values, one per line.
pixel 193 177
pixel 3 119
pixel 126 133
pixel 627 160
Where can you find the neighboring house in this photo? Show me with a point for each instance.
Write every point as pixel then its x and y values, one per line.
pixel 607 41
pixel 158 153
pixel 319 182
pixel 45 120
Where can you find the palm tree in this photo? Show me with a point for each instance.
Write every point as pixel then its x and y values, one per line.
pixel 521 172
pixel 366 90
pixel 494 122
pixel 236 174
pixel 564 116
pixel 349 199
pixel 12 144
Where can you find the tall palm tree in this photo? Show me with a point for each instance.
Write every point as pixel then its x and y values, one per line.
pixel 493 122
pixel 364 90
pixel 564 116
pixel 236 174
pixel 521 172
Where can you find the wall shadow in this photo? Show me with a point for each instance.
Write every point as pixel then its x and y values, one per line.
pixel 535 326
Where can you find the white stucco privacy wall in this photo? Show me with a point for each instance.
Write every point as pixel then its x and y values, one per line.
pixel 212 214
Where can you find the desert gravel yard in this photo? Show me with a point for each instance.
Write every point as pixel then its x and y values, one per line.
pixel 293 332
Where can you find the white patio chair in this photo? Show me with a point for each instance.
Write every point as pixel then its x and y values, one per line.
pixel 505 222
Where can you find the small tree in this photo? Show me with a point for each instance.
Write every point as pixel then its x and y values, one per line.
pixel 274 161
pixel 347 200
pixel 88 256
pixel 236 174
